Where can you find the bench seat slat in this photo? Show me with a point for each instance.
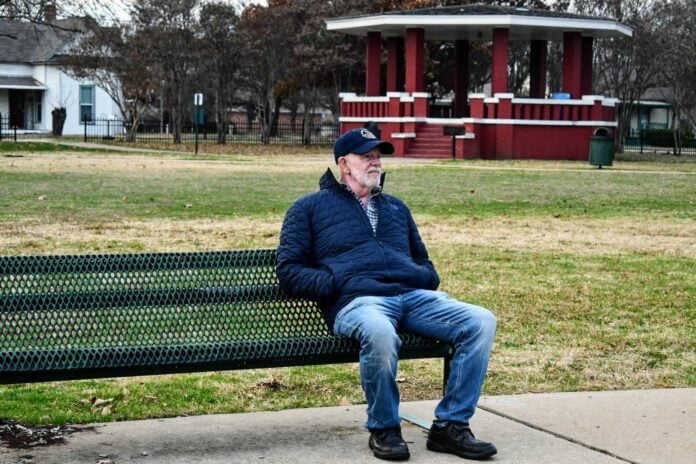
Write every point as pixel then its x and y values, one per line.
pixel 78 363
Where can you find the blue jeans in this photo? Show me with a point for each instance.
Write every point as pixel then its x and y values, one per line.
pixel 374 321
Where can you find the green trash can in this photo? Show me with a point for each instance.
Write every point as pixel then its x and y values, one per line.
pixel 601 148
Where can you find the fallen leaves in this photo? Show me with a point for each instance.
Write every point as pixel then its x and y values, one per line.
pixel 15 435
pixel 271 384
pixel 99 402
pixel 105 405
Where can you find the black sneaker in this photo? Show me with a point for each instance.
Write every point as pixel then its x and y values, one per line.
pixel 389 444
pixel 456 438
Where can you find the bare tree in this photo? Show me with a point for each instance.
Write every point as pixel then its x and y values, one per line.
pixel 320 57
pixel 221 60
pixel 169 27
pixel 678 64
pixel 626 67
pixel 268 33
pixel 116 59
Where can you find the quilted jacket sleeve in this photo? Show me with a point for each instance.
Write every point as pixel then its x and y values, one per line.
pixel 420 254
pixel 298 275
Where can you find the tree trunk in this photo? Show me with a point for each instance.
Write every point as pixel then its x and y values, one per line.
pixel 265 118
pixel 59 115
pixel 623 122
pixel 221 121
pixel 177 120
pixel 308 126
pixel 132 130
pixel 676 135
pixel 276 116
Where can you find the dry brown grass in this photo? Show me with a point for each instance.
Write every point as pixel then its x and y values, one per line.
pixel 27 236
pixel 281 158
pixel 66 162
pixel 580 236
pixel 576 236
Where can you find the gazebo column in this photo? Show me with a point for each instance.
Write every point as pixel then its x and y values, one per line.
pixel 395 64
pixel 537 69
pixel 415 60
pixel 373 64
pixel 461 79
pixel 586 76
pixel 572 63
pixel 499 73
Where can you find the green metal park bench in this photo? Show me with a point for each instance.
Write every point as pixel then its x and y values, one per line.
pixel 114 315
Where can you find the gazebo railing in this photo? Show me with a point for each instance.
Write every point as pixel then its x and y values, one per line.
pixel 358 106
pixel 502 106
pixel 505 106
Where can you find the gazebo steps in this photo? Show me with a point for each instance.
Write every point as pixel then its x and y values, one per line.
pixel 428 155
pixel 430 143
pixel 424 152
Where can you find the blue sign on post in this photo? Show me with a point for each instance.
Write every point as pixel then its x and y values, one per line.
pixel 560 96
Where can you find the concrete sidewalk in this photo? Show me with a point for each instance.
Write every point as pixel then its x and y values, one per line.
pixel 648 426
pixel 101 146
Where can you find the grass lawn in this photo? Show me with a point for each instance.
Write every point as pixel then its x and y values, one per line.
pixel 591 273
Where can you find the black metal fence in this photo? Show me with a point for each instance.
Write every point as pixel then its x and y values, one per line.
pixel 283 133
pixel 7 132
pixel 639 142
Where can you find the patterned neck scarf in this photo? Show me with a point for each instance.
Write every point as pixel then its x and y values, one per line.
pixel 370 208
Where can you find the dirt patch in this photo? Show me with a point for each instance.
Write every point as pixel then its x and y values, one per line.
pixel 15 435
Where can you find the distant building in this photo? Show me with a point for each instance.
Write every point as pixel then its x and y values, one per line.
pixel 652 111
pixel 32 84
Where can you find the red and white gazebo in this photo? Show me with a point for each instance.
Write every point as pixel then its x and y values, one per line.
pixel 497 126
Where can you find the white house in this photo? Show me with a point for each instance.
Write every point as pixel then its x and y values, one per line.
pixel 652 111
pixel 32 84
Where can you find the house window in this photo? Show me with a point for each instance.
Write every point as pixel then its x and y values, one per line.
pixel 87 103
pixel 37 112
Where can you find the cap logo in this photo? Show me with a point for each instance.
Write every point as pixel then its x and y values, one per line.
pixel 367 134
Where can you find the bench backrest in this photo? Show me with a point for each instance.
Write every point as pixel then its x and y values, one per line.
pixel 170 297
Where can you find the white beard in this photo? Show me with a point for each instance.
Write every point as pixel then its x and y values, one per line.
pixel 370 181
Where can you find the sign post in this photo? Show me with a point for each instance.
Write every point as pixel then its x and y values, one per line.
pixel 197 103
pixel 454 132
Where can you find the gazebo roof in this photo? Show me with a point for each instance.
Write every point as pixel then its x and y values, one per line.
pixel 476 22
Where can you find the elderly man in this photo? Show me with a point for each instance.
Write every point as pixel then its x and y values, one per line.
pixel 358 253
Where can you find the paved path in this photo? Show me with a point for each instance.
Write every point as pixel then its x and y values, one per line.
pixel 646 427
pixel 571 166
pixel 103 146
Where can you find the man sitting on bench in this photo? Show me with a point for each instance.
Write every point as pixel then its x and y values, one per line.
pixel 358 253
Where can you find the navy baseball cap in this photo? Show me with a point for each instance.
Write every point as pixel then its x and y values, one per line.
pixel 359 142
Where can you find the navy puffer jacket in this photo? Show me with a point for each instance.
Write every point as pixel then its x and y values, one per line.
pixel 329 253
